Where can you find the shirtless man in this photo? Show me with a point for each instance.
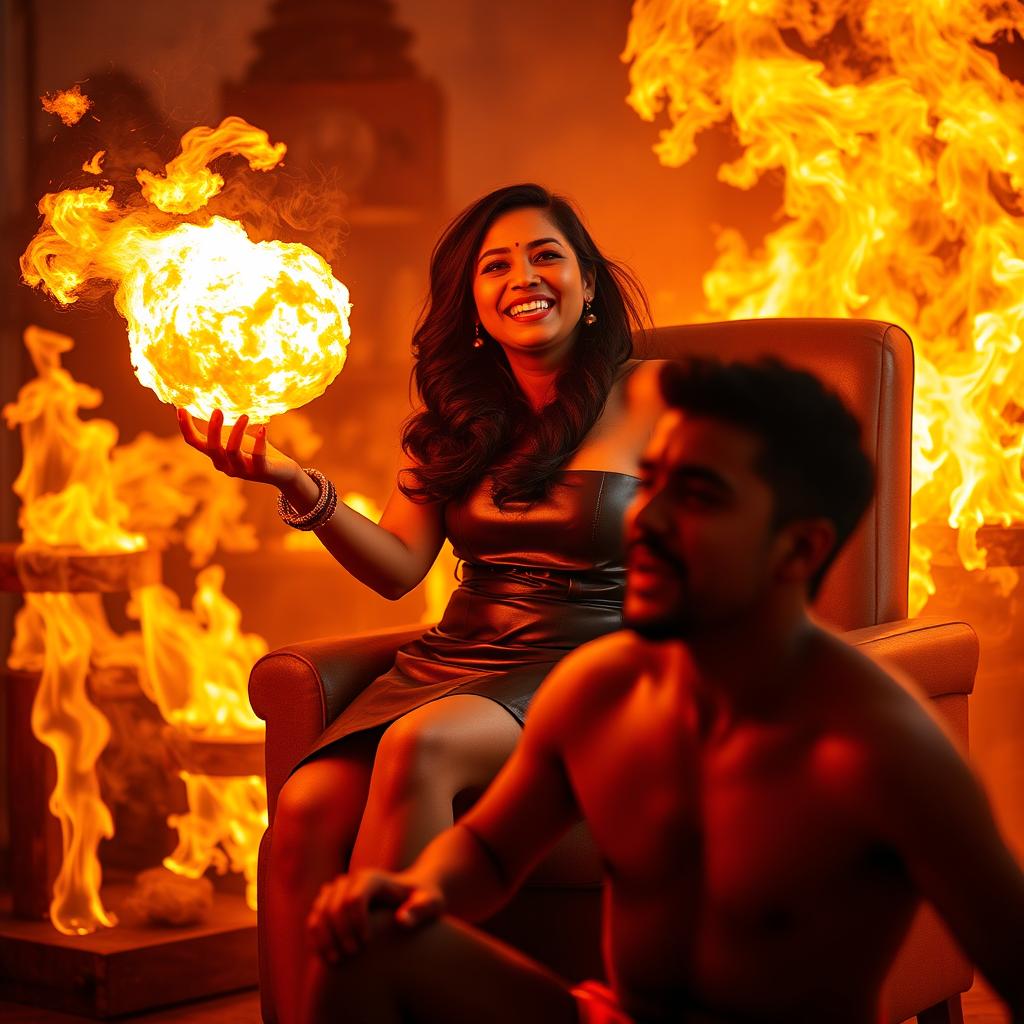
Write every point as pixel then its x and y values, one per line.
pixel 770 805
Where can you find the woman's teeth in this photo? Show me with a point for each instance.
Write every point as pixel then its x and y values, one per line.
pixel 530 307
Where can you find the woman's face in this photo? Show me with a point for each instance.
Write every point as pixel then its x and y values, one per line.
pixel 527 284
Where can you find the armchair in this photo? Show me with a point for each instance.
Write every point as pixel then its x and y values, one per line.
pixel 299 689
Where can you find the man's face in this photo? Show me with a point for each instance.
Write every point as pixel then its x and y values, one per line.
pixel 700 535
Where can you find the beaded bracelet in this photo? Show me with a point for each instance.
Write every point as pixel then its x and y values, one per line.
pixel 319 514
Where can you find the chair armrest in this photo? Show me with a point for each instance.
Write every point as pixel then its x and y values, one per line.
pixel 940 657
pixel 300 689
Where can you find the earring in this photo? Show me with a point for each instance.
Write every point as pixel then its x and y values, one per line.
pixel 588 318
pixel 478 342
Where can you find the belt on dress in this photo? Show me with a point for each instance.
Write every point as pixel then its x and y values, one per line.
pixel 574 584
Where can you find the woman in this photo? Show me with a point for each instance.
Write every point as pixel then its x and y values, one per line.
pixel 524 452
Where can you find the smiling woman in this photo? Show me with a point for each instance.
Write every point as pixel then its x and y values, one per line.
pixel 524 453
pixel 520 405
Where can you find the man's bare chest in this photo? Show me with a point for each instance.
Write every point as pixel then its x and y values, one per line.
pixel 754 822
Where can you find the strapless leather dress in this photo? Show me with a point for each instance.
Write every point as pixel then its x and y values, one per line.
pixel 535 583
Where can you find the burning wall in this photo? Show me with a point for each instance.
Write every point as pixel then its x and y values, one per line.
pixel 900 147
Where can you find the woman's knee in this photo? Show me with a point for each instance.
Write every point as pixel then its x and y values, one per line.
pixel 320 805
pixel 412 752
pixel 454 746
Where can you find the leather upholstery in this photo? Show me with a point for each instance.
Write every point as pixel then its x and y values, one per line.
pixel 871 365
pixel 300 688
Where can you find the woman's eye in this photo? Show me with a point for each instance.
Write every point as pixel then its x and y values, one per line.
pixel 548 253
pixel 495 265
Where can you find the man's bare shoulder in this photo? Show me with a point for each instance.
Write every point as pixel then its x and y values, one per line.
pixel 876 719
pixel 597 673
pixel 865 687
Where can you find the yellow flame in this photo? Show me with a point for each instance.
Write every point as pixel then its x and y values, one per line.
pixel 223 828
pixel 188 184
pixel 215 320
pixel 198 661
pixel 193 664
pixel 901 150
pixel 66 720
pixel 94 165
pixel 68 501
pixel 69 105
pixel 163 482
pixel 65 483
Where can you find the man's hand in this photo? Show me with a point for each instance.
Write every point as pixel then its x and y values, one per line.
pixel 339 923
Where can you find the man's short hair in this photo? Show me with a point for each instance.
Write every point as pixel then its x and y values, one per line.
pixel 811 455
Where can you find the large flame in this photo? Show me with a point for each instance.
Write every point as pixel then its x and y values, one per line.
pixel 80 494
pixel 198 661
pixel 223 828
pixel 215 320
pixel 901 148
pixel 68 502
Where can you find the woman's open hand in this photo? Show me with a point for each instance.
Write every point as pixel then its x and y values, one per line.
pixel 247 453
pixel 339 923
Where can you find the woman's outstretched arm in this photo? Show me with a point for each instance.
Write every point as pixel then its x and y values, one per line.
pixel 390 557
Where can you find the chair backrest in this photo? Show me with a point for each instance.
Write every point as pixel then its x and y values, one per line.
pixel 871 366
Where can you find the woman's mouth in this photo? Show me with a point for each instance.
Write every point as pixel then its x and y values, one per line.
pixel 530 311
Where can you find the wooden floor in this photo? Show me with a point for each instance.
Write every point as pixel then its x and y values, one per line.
pixel 980 1007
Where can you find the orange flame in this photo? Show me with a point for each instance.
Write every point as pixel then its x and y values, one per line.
pixel 70 105
pixel 198 662
pixel 68 501
pixel 214 319
pixel 94 165
pixel 188 184
pixel 902 154
pixel 223 828
pixel 194 665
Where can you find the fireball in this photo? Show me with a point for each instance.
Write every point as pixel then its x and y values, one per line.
pixel 215 320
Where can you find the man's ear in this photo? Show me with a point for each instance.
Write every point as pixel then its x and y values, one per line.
pixel 807 543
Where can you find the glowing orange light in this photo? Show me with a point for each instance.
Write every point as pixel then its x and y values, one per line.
pixel 80 494
pixel 69 105
pixel 94 165
pixel 901 151
pixel 214 319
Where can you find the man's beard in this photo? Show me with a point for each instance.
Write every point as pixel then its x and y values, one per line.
pixel 673 623
pixel 662 627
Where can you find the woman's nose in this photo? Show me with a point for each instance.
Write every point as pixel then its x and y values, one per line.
pixel 524 273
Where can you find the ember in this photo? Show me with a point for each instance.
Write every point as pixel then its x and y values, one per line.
pixel 70 105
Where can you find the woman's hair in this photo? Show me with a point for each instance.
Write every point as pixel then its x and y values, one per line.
pixel 474 417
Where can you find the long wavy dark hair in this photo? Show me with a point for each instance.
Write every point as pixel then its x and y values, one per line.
pixel 474 418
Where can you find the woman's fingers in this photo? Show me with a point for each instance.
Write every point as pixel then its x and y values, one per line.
pixel 235 456
pixel 187 426
pixel 259 450
pixel 214 443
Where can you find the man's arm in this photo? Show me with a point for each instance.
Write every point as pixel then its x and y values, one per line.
pixel 471 869
pixel 939 819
